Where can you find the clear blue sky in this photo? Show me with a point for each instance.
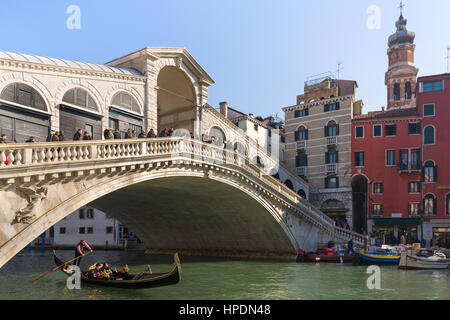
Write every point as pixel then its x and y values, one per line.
pixel 259 52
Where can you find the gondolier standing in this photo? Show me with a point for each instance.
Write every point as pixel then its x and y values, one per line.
pixel 79 251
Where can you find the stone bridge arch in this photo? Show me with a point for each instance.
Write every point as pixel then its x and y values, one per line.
pixel 227 207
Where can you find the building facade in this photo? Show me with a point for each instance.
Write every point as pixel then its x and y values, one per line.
pixel 386 169
pixel 434 107
pixel 267 133
pixel 151 88
pixel 398 193
pixel 318 143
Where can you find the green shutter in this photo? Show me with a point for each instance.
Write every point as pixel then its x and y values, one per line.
pixel 326 183
pixel 327 157
pixel 337 156
pixel 306 134
pixel 296 135
pixel 435 173
pixel 337 129
pixel 325 131
pixel 337 182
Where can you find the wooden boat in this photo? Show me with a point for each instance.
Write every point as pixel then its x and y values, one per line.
pixel 327 255
pixel 421 261
pixel 379 257
pixel 138 281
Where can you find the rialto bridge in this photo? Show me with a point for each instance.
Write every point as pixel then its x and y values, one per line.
pixel 176 194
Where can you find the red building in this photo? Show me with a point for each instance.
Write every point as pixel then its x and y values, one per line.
pixel 397 190
pixel 386 171
pixel 433 102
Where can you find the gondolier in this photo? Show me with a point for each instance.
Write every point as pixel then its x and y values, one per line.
pixel 79 251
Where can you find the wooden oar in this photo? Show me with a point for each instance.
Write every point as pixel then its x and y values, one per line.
pixel 59 267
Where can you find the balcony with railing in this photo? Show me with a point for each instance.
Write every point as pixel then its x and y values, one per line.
pixel 331 168
pixel 301 171
pixel 409 167
pixel 331 141
pixel 301 145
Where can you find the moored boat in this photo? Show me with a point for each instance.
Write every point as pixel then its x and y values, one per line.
pixel 131 281
pixel 421 261
pixel 328 255
pixel 385 256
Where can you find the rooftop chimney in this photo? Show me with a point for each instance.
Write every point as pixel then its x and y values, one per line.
pixel 224 108
pixel 250 115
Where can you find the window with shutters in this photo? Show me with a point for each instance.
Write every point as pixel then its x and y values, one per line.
pixel 24 95
pixel 377 131
pixel 331 107
pixel 377 188
pixel 301 160
pixel 301 134
pixel 301 113
pixel 332 129
pixel 390 157
pixel 359 132
pixel 428 135
pixel 428 110
pixel 429 172
pixel 126 101
pixel 80 98
pixel 414 128
pixel 390 130
pixel 331 182
pixel 429 205
pixel 359 159
pixel 413 209
pixel 414 187
pixel 377 209
pixel 331 156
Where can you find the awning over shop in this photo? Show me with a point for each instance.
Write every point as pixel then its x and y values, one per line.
pixel 385 222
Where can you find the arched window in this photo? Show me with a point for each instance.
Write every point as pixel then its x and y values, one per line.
pixel 332 129
pixel 289 184
pixel 219 136
pixel 430 205
pixel 408 94
pixel 126 101
pixel 80 98
pixel 331 156
pixel 397 92
pixel 429 172
pixel 24 95
pixel 428 134
pixel 301 134
pixel 302 193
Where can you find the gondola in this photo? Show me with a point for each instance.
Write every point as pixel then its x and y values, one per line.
pixel 138 281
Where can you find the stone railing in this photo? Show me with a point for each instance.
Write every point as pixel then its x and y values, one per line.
pixel 263 153
pixel 344 234
pixel 46 154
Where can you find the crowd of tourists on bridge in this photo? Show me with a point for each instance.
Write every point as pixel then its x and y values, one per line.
pixel 107 134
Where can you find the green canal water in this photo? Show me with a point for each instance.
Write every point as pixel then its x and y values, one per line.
pixel 205 279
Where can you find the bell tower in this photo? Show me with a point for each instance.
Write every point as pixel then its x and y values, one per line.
pixel 401 77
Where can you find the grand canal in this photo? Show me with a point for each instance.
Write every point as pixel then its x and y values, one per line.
pixel 205 278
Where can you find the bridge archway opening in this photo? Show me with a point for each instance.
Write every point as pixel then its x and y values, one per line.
pixel 176 100
pixel 197 216
pixel 360 203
